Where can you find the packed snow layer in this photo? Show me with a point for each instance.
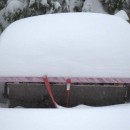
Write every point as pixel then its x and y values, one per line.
pixel 87 118
pixel 68 45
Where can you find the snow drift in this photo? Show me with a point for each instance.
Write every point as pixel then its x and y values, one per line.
pixel 68 45
pixel 122 14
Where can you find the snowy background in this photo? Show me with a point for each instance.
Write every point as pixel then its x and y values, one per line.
pixel 12 10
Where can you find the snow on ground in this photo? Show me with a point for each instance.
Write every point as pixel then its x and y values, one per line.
pixel 68 45
pixel 93 118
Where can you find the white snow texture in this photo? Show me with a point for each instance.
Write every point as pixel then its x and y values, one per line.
pixel 68 45
pixel 79 118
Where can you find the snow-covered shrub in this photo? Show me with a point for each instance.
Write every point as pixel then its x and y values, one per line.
pixel 54 7
pixel 14 6
pixel 44 3
pixel 75 5
pixel 2 4
pixel 17 9
pixel 32 2
pixel 1 27
pixel 93 6
pixel 65 6
pixel 22 9
pixel 112 5
pixel 13 10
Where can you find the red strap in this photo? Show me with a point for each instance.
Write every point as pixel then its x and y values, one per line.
pixel 68 81
pixel 49 90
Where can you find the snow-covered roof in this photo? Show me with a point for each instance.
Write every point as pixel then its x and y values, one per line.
pixel 66 45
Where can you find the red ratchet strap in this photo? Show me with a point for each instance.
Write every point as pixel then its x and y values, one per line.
pixel 68 81
pixel 47 85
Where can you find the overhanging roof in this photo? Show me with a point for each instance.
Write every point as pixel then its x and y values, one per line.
pixel 63 80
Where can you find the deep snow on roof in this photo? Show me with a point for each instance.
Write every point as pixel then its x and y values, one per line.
pixel 68 45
